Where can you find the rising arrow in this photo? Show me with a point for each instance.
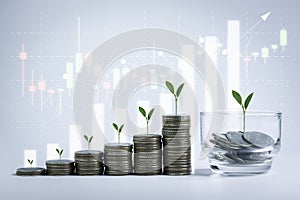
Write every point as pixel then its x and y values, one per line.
pixel 263 18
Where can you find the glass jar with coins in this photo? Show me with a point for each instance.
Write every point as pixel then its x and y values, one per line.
pixel 236 148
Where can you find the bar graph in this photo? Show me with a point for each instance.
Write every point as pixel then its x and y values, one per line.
pixel 233 61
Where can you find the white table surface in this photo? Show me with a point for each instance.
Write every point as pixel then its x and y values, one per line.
pixel 281 183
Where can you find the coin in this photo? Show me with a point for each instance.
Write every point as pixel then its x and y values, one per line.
pixel 251 147
pixel 118 158
pixel 237 138
pixel 60 167
pixel 176 145
pixel 258 139
pixel 147 154
pixel 89 162
pixel 30 171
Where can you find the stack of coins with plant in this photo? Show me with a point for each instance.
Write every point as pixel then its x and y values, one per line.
pixel 89 162
pixel 118 156
pixel 60 167
pixel 176 139
pixel 147 150
pixel 30 171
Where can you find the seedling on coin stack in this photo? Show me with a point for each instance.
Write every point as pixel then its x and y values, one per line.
pixel 244 106
pixel 147 150
pixel 88 140
pixel 30 171
pixel 119 130
pixel 146 116
pixel 118 156
pixel 60 167
pixel 176 138
pixel 89 162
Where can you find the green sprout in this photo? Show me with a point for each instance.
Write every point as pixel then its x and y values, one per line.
pixel 118 129
pixel 59 152
pixel 147 117
pixel 172 90
pixel 88 140
pixel 30 162
pixel 238 98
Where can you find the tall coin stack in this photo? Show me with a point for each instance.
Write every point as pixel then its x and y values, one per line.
pixel 147 154
pixel 176 145
pixel 89 162
pixel 60 167
pixel 118 158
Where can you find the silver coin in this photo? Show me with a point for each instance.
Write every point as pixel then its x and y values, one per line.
pixel 237 138
pixel 258 139
pixel 181 117
pixel 30 171
pixel 118 147
pixel 59 162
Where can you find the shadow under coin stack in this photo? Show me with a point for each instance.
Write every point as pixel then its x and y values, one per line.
pixel 60 167
pixel 89 162
pixel 118 158
pixel 176 145
pixel 147 154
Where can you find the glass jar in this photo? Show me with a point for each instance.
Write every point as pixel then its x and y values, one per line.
pixel 240 145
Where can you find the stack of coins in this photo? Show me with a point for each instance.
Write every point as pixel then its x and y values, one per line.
pixel 147 154
pixel 60 167
pixel 242 147
pixel 31 171
pixel 118 158
pixel 176 145
pixel 89 162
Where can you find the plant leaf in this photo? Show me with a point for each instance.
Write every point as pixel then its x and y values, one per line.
pixel 121 127
pixel 150 113
pixel 179 89
pixel 115 126
pixel 61 152
pixel 86 137
pixel 28 160
pixel 57 150
pixel 237 97
pixel 170 86
pixel 91 138
pixel 31 161
pixel 142 111
pixel 248 99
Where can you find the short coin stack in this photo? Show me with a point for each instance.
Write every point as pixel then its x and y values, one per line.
pixel 242 147
pixel 147 154
pixel 118 158
pixel 89 162
pixel 60 167
pixel 176 145
pixel 31 171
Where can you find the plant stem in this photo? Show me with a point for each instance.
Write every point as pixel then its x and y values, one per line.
pixel 89 146
pixel 147 127
pixel 118 137
pixel 244 119
pixel 176 105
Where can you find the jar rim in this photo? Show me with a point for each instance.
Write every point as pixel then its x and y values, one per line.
pixel 248 113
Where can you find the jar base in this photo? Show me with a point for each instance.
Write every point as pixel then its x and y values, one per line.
pixel 240 169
